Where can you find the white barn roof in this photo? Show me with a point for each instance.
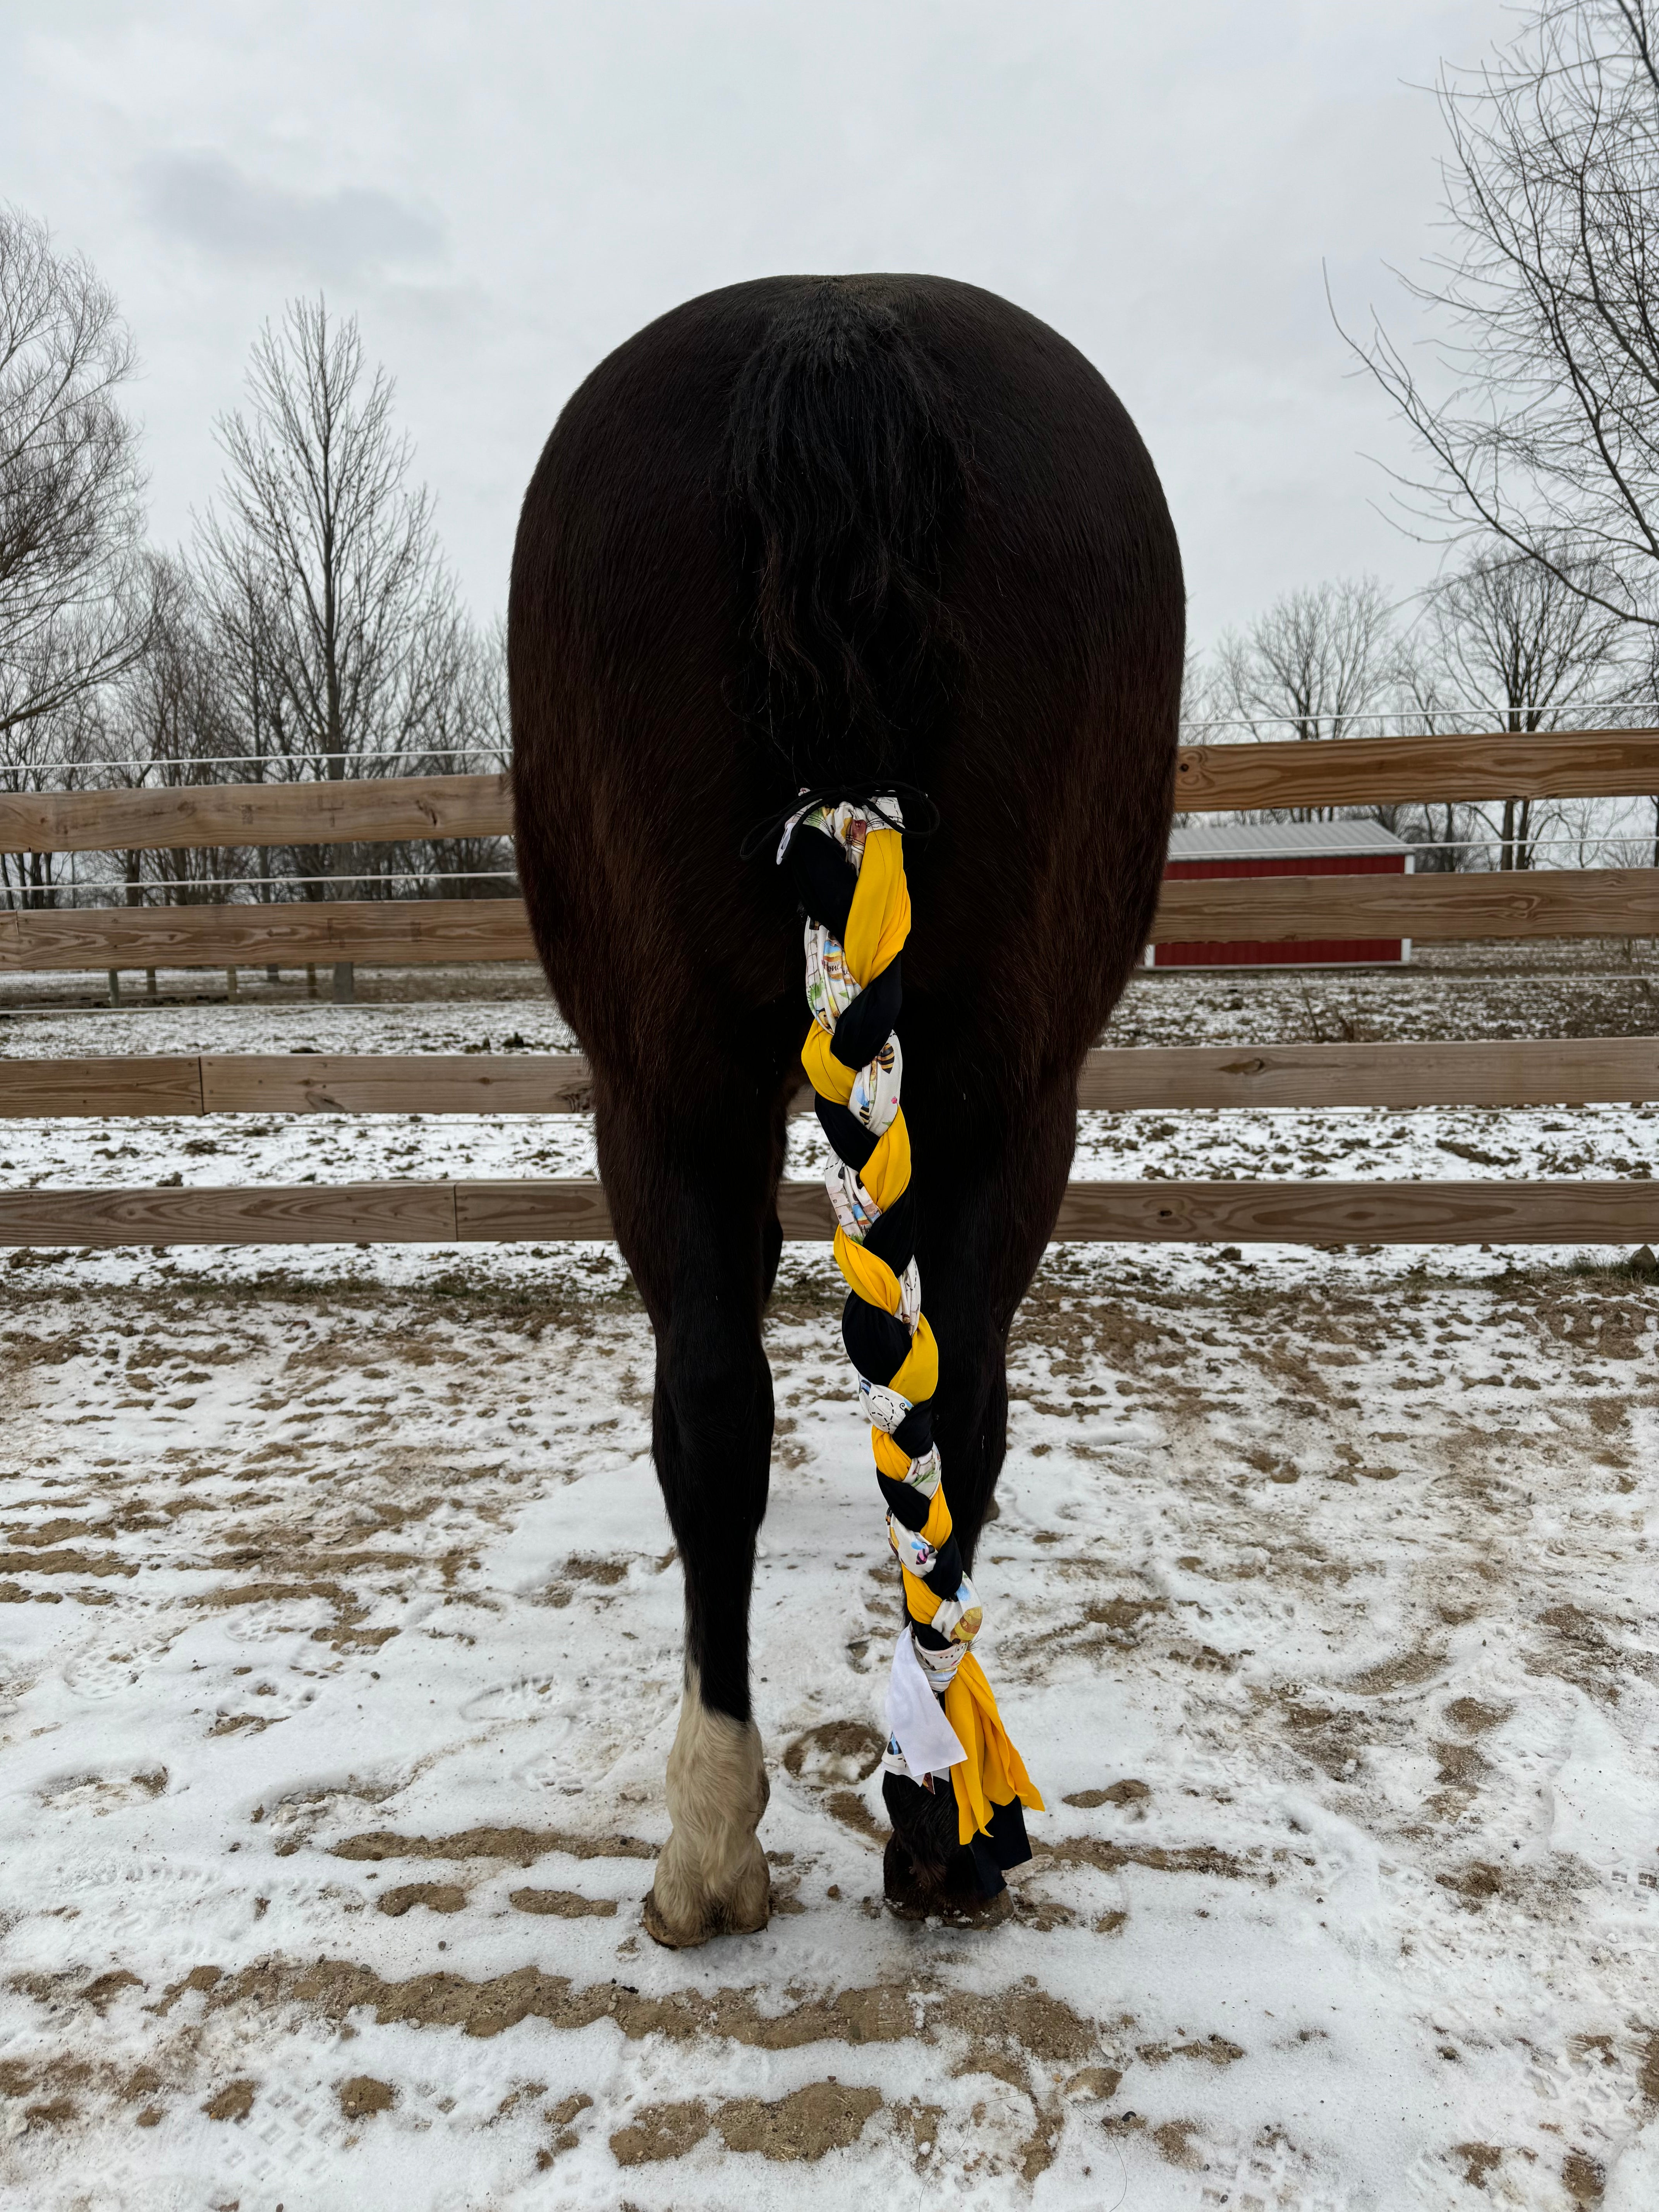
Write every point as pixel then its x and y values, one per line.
pixel 1280 840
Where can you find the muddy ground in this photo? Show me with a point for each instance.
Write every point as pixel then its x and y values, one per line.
pixel 339 1659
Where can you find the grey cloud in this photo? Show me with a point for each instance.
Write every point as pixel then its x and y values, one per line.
pixel 205 200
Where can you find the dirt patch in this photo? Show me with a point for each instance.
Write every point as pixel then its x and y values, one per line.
pixel 1584 2178
pixel 1022 2019
pixel 1176 2145
pixel 1101 2082
pixel 808 2124
pixel 233 2102
pixel 1474 1883
pixel 836 1752
pixel 1470 1715
pixel 584 1568
pixel 65 1562
pixel 523 1846
pixel 1580 1651
pixel 1213 2050
pixel 659 2131
pixel 565 1903
pixel 1111 1858
pixel 362 2094
pixel 848 1806
pixel 1479 2159
pixel 1404 1672
pixel 436 1896
pixel 106 1986
pixel 1120 1793
pixel 198 1978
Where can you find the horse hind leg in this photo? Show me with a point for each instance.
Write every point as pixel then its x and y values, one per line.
pixel 692 1220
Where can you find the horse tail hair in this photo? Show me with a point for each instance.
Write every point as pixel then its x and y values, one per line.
pixel 847 472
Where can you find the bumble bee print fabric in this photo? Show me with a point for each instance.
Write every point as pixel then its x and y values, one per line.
pixel 846 861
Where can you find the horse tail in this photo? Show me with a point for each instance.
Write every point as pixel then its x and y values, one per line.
pixel 847 471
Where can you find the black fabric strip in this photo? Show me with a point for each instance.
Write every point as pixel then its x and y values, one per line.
pixel 821 878
pixel 878 1343
pixel 928 1637
pixel 893 1238
pixel 944 1578
pixel 915 1433
pixel 867 1024
pixel 1007 1836
pixel 908 1507
pixel 988 1873
pixel 849 1140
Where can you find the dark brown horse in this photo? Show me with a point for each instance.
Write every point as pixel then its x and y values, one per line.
pixel 799 531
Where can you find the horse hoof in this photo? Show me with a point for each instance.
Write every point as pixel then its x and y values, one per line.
pixel 950 1893
pixel 680 1912
pixel 976 1909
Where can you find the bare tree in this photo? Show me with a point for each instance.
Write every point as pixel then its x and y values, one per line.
pixel 324 555
pixel 1316 664
pixel 1514 642
pixel 166 724
pixel 478 742
pixel 74 611
pixel 323 572
pixel 1544 430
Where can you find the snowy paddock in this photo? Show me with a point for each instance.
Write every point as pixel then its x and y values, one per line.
pixel 340 1663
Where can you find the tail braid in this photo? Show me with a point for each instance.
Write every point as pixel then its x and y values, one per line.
pixel 847 862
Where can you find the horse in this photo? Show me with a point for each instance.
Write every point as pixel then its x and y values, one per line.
pixel 852 535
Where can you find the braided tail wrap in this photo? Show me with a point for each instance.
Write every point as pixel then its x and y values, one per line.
pixel 847 862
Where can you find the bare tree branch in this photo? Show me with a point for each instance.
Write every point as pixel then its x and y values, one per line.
pixel 1541 428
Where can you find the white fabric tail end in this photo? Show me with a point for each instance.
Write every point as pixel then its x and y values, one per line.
pixel 914 1718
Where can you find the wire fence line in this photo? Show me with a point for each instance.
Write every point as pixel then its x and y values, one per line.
pixel 1449 721
pixel 487 763
pixel 1574 834
pixel 1468 718
pixel 157 888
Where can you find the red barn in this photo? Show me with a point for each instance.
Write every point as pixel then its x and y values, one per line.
pixel 1285 848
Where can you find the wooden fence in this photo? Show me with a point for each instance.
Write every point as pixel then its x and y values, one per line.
pixel 1604 902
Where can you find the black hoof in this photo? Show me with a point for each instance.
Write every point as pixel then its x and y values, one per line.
pixel 926 1871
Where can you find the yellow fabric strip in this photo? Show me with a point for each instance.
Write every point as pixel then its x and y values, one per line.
pixel 887 1174
pixel 919 1602
pixel 994 1773
pixel 879 920
pixel 872 1278
pixel 918 1376
pixel 826 1075
pixel 891 1460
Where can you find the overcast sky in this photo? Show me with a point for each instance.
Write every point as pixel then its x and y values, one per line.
pixel 502 193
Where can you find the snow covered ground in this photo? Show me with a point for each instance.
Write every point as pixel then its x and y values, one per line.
pixel 340 1660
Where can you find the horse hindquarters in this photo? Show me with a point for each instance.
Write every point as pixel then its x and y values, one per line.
pixel 955 569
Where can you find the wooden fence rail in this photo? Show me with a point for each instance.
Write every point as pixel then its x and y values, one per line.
pixel 1316 1213
pixel 1387 771
pixel 1209 779
pixel 1564 1071
pixel 372 811
pixel 1604 902
pixel 1620 903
